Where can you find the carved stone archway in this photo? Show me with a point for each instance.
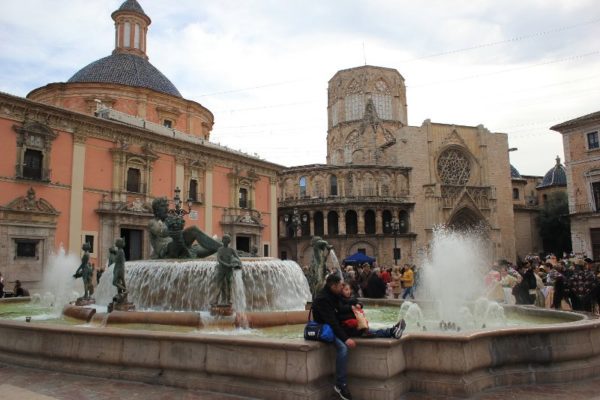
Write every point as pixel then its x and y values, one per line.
pixel 466 219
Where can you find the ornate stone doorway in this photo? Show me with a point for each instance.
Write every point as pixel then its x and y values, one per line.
pixel 466 219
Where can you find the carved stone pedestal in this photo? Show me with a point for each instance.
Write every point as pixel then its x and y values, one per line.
pixel 221 310
pixel 120 307
pixel 120 303
pixel 84 302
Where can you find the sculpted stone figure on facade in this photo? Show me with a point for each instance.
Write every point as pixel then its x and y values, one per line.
pixel 170 240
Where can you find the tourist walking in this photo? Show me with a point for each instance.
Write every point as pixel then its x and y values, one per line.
pixel 408 281
pixel 396 282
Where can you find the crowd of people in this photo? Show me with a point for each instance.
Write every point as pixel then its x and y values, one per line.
pixel 567 283
pixel 377 282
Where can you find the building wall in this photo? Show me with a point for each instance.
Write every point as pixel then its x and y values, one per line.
pixel 187 116
pixel 583 168
pixel 102 206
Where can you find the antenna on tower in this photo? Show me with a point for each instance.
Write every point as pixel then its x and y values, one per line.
pixel 364 53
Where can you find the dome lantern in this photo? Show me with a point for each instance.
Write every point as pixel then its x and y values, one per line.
pixel 131 28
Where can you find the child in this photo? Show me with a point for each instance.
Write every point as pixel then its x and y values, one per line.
pixel 349 313
pixel 346 312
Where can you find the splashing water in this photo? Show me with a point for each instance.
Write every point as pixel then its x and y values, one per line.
pixel 58 285
pixel 453 274
pixel 239 295
pixel 267 284
pixel 334 264
pixel 411 313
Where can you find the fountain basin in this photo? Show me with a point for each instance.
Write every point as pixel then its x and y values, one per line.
pixel 452 364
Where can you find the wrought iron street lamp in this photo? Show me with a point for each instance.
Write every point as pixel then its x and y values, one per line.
pixel 295 220
pixel 396 226
pixel 178 211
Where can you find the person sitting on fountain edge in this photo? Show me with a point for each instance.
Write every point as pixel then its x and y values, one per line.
pixel 325 308
pixel 350 311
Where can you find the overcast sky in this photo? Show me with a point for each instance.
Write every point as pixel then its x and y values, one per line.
pixel 262 67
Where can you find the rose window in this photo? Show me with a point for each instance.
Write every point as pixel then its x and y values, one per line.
pixel 454 167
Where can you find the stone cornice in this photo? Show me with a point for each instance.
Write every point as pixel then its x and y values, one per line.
pixel 16 108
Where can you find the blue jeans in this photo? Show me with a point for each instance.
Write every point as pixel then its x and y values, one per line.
pixel 408 292
pixel 341 363
pixel 380 333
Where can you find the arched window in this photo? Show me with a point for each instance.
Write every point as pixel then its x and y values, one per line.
pixel 332 223
pixel 127 35
pixel 305 218
pixel 319 223
pixel 136 36
pixel 243 198
pixel 302 184
pixel 387 219
pixel 404 222
pixel 134 178
pixel 351 222
pixel 333 186
pixel 349 185
pixel 193 190
pixel 370 222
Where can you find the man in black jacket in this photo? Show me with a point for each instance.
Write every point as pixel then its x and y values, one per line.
pixel 325 307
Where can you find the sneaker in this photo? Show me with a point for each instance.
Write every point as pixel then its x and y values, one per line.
pixel 343 392
pixel 398 329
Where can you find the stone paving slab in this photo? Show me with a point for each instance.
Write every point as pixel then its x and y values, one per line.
pixel 51 385
pixel 14 392
pixel 33 384
pixel 580 390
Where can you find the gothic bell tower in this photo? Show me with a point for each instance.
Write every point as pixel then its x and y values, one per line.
pixel 366 108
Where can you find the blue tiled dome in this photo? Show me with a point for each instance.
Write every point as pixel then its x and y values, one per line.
pixel 132 5
pixel 514 173
pixel 557 176
pixel 126 69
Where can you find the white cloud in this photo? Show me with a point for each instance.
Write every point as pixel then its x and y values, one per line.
pixel 262 67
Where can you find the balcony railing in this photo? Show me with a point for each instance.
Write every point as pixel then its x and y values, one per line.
pixel 293 201
pixel 583 208
pixel 240 215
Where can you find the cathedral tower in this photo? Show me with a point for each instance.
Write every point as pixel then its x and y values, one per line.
pixel 366 108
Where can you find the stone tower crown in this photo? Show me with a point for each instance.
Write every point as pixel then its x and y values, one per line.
pixel 131 28
pixel 366 109
pixel 351 89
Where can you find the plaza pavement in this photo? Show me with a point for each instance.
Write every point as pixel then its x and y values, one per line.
pixel 32 384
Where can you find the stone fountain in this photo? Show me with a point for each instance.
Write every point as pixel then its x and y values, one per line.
pixel 449 363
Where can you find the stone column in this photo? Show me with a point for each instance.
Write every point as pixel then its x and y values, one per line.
pixel 274 220
pixel 311 223
pixel 378 221
pixel 361 221
pixel 208 202
pixel 179 180
pixel 76 208
pixel 341 221
pixel 325 228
